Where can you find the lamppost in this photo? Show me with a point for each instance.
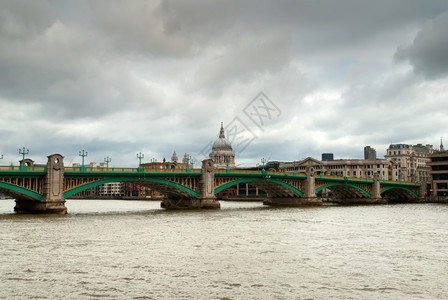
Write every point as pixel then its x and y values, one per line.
pixel 320 170
pixel 23 152
pixel 192 161
pixel 107 160
pixel 140 156
pixel 345 172
pixel 153 160
pixel 399 175
pixel 82 154
pixel 263 163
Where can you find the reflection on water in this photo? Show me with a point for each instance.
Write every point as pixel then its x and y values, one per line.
pixel 135 250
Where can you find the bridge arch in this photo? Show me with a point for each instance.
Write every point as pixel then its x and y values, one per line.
pixel 347 190
pixel 15 190
pixel 155 183
pixel 396 192
pixel 271 186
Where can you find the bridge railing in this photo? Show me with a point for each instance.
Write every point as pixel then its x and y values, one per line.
pixel 130 170
pixel 401 182
pixel 23 168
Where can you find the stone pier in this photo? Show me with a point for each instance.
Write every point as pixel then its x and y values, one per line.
pixel 206 199
pixel 53 201
pixel 376 192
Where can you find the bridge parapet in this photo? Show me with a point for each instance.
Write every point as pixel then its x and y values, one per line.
pixel 22 169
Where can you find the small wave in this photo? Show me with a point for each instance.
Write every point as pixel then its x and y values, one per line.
pixel 19 279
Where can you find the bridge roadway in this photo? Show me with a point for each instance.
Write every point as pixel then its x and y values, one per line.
pixel 43 189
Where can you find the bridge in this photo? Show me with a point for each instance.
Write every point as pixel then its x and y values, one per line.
pixel 43 189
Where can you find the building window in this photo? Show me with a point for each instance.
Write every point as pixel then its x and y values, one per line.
pixel 442 186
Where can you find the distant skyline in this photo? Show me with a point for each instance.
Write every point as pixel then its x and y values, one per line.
pixel 289 79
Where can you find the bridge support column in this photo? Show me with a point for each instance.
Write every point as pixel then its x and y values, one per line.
pixel 53 201
pixel 309 194
pixel 422 191
pixel 376 191
pixel 206 199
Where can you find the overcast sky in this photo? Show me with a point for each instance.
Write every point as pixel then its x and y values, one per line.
pixel 289 79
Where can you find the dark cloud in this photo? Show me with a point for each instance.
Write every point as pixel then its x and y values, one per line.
pixel 428 53
pixel 115 78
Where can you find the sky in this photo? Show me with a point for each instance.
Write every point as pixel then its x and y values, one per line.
pixel 288 79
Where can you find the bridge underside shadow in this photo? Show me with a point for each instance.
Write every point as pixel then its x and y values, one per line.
pixel 275 189
pixel 399 195
pixel 168 191
pixel 346 194
pixel 280 193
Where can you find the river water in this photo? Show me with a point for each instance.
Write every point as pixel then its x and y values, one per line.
pixel 135 250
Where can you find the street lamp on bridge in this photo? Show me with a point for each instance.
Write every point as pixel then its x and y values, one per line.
pixel 153 160
pixel 140 156
pixel 82 154
pixel 191 161
pixel 107 160
pixel 263 163
pixel 23 152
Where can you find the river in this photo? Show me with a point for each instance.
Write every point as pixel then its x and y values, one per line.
pixel 114 249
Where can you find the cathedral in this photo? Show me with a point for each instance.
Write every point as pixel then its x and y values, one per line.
pixel 222 153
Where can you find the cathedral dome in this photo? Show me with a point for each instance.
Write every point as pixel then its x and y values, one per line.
pixel 222 153
pixel 222 143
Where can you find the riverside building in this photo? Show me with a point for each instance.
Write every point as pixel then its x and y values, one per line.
pixel 411 160
pixel 356 168
pixel 438 165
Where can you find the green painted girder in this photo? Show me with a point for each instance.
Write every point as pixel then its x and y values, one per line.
pixel 259 175
pixel 21 190
pixel 343 179
pixel 271 180
pixel 123 179
pixel 27 174
pixel 399 184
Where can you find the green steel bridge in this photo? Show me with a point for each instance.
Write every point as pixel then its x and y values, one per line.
pixel 45 188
